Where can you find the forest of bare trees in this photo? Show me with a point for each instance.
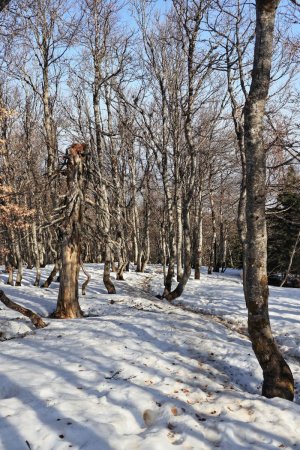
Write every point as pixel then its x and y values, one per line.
pixel 148 133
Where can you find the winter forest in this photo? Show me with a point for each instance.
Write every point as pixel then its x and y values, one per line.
pixel 149 193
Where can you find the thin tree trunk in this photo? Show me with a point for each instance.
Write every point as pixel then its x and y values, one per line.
pixel 163 250
pixel 51 277
pixel 213 246
pixel 146 232
pixel 239 131
pixel 10 271
pixel 106 272
pixel 88 279
pixel 49 135
pixel 106 228
pixel 121 268
pixel 168 278
pixel 187 257
pixel 291 260
pixel 36 252
pixel 277 377
pixel 199 239
pixel 179 234
pixel 19 263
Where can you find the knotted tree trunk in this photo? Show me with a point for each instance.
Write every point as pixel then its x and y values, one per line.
pixel 278 379
pixel 67 303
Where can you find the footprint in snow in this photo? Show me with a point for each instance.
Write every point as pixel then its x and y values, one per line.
pixel 150 417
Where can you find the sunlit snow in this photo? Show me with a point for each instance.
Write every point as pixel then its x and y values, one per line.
pixel 139 373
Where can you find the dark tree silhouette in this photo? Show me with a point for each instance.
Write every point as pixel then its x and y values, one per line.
pixel 3 3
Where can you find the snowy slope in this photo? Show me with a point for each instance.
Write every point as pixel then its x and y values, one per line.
pixel 222 295
pixel 138 373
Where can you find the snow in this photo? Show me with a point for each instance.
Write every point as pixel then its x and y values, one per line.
pixel 222 295
pixel 139 373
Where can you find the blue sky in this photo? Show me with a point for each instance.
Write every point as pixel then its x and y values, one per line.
pixel 160 5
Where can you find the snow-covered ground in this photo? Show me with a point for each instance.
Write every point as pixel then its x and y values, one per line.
pixel 138 373
pixel 222 295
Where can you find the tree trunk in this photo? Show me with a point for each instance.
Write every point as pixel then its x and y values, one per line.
pixel 278 380
pixel 139 259
pixel 170 225
pixel 106 272
pixel 37 257
pixel 35 318
pixel 213 246
pixel 52 275
pixel 48 124
pixel 106 228
pixel 19 262
pixel 223 244
pixel 179 234
pixel 10 271
pixel 67 303
pixel 177 292
pixel 88 279
pixel 120 271
pixel 199 238
pixel 146 231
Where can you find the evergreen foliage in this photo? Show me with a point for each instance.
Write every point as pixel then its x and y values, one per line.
pixel 284 226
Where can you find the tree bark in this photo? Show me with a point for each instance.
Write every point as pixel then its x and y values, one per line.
pixel 10 271
pixel 37 257
pixel 88 279
pixel 110 287
pixel 52 274
pixel 20 267
pixel 177 292
pixel 199 238
pixel 278 380
pixel 213 246
pixel 35 318
pixel 179 234
pixel 67 303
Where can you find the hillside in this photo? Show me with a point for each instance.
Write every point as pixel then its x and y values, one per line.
pixel 139 373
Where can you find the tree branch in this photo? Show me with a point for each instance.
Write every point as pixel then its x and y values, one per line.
pixel 35 318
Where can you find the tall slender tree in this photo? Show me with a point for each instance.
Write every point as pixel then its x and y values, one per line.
pixel 278 379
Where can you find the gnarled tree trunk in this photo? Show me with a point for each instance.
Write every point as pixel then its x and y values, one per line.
pixel 67 303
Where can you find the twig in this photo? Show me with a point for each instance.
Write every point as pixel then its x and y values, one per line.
pixel 83 287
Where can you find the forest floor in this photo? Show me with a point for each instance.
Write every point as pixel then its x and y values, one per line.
pixel 139 373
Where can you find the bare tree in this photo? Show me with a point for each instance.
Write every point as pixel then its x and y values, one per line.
pixel 278 379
